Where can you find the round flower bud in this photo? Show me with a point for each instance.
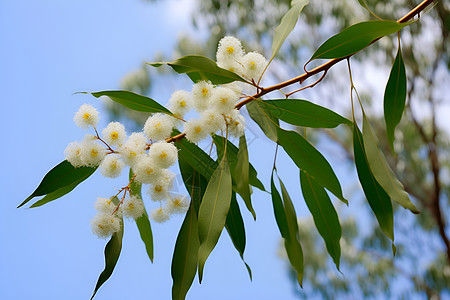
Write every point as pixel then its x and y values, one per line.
pixel 112 166
pixel 163 154
pixel 159 126
pixel 114 134
pixel 133 207
pixel 160 215
pixel 86 116
pixel 105 225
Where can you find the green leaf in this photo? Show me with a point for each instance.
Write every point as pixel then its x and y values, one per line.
pixel 355 38
pixel 286 25
pixel 235 227
pixel 112 253
pixel 379 201
pixel 201 68
pixel 134 101
pixel 309 159
pixel 324 215
pixel 213 212
pixel 143 222
pixel 381 170
pixel 56 194
pixel 395 96
pixel 184 261
pixel 278 210
pixel 303 113
pixel 264 118
pixel 241 175
pixel 194 182
pixel 61 176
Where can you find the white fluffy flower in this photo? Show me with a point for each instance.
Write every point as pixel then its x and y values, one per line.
pixel 72 154
pixel 159 190
pixel 254 64
pixel 180 102
pixel 236 126
pixel 178 203
pixel 163 154
pixel 133 207
pixel 229 49
pixel 159 126
pixel 112 166
pixel 105 225
pixel 92 153
pixel 201 92
pixel 213 121
pixel 146 170
pixel 160 215
pixel 133 148
pixel 195 130
pixel 223 99
pixel 114 134
pixel 105 205
pixel 86 116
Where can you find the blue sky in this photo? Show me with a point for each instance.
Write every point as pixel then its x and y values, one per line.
pixel 50 50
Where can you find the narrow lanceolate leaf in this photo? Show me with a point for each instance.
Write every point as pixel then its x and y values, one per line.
pixel 235 227
pixel 134 101
pixel 63 177
pixel 324 215
pixel 304 113
pixel 112 253
pixel 286 25
pixel 201 68
pixel 381 170
pixel 278 210
pixel 184 261
pixel 309 159
pixel 379 201
pixel 56 194
pixel 194 182
pixel 264 118
pixel 213 212
pixel 143 222
pixel 355 38
pixel 395 97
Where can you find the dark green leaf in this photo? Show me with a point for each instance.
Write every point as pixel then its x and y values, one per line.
pixel 134 101
pixel 395 97
pixel 278 210
pixel 112 253
pixel 194 182
pixel 378 200
pixel 303 113
pixel 61 176
pixel 355 38
pixel 213 212
pixel 201 68
pixel 264 118
pixel 56 194
pixel 324 215
pixel 241 175
pixel 381 170
pixel 309 159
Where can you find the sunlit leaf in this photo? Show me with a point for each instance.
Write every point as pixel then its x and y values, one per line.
pixel 381 170
pixel 201 68
pixel 264 118
pixel 60 177
pixel 324 215
pixel 395 97
pixel 134 101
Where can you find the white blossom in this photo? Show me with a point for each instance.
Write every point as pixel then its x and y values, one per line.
pixel 159 190
pixel 114 134
pixel 163 154
pixel 72 154
pixel 86 116
pixel 223 100
pixel 112 166
pixel 254 64
pixel 133 148
pixel 178 203
pixel 133 207
pixel 180 102
pixel 201 92
pixel 195 130
pixel 213 121
pixel 146 170
pixel 105 205
pixel 92 153
pixel 160 215
pixel 159 126
pixel 105 225
pixel 229 50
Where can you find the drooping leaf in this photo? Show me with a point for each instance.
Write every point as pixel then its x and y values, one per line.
pixel 61 176
pixel 236 230
pixel 324 215
pixel 395 96
pixel 213 212
pixel 287 24
pixel 201 68
pixel 278 210
pixel 355 38
pixel 381 170
pixel 194 182
pixel 264 118
pixel 303 113
pixel 309 159
pixel 143 222
pixel 134 101
pixel 379 201
pixel 112 253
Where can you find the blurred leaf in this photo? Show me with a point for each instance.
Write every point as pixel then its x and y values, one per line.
pixel 303 113
pixel 201 68
pixel 309 159
pixel 63 176
pixel 395 96
pixel 381 170
pixel 213 212
pixel 143 222
pixel 324 214
pixel 264 118
pixel 112 253
pixel 355 38
pixel 134 101
pixel 378 200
